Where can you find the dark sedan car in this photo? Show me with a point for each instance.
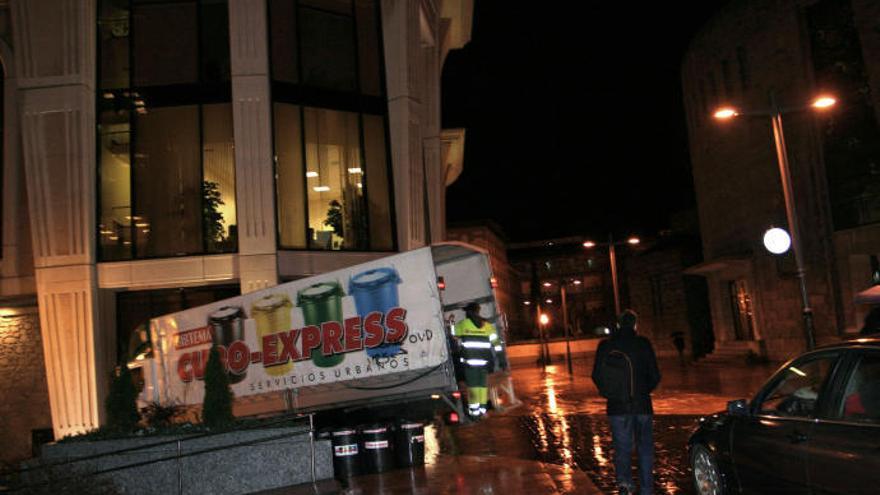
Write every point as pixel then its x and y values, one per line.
pixel 814 428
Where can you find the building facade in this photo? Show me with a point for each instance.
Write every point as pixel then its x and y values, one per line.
pixel 667 300
pixel 825 46
pixel 161 155
pixel 546 267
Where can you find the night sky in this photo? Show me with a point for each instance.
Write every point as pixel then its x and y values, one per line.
pixel 574 118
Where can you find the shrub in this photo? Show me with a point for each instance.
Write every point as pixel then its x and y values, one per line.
pixel 217 407
pixel 157 415
pixel 121 402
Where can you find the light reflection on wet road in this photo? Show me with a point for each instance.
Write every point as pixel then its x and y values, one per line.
pixel 563 418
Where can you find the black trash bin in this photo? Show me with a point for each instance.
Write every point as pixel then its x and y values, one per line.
pixel 346 461
pixel 409 444
pixel 376 448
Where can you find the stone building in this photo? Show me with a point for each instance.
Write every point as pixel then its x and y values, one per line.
pixel 544 267
pixel 161 155
pixel 794 50
pixel 667 299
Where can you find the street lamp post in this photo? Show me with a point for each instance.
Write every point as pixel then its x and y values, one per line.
pixel 775 114
pixel 565 324
pixel 543 320
pixel 612 259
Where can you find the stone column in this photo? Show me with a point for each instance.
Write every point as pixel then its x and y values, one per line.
pixel 251 110
pixel 55 46
pixel 400 31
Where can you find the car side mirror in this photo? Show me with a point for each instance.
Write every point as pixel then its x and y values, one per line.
pixel 739 407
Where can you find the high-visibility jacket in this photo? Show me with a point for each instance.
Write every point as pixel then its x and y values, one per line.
pixel 476 342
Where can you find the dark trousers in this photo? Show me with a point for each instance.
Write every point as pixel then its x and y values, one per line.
pixel 624 429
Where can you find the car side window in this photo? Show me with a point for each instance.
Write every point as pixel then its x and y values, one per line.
pixel 861 397
pixel 797 392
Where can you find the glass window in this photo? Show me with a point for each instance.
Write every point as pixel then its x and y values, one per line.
pixel 167 182
pixel 337 217
pixel 214 60
pixel 165 39
pixel 369 64
pixel 282 26
pixel 327 49
pixel 330 130
pixel 115 226
pixel 861 398
pixel 290 176
pixel 135 309
pixel 167 169
pixel 797 388
pixel 113 39
pixel 218 179
pixel 377 184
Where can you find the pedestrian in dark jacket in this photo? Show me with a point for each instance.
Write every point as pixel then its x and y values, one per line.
pixel 630 411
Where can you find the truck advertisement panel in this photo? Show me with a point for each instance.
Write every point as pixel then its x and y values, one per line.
pixel 374 319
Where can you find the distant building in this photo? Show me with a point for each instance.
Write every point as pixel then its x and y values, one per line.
pixel 162 155
pixel 796 49
pixel 545 266
pixel 666 298
pixel 489 236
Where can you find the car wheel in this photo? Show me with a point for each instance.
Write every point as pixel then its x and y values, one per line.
pixel 707 477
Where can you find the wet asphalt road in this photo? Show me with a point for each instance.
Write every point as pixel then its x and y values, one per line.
pixel 562 420
pixel 585 441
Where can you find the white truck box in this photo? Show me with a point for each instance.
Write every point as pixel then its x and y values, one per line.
pixel 371 333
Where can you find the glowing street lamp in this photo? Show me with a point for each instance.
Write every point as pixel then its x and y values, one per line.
pixel 612 257
pixel 821 102
pixel 544 319
pixel 777 240
pixel 726 113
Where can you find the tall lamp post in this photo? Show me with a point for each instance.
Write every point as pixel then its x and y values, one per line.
pixel 612 259
pixel 565 324
pixel 775 113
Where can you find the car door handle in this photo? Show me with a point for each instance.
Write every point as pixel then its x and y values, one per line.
pixel 797 437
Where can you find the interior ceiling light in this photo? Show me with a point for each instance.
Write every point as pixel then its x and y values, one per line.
pixel 355 170
pixel 321 188
pixel 311 174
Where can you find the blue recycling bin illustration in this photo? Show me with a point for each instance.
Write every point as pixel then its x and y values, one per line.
pixel 376 290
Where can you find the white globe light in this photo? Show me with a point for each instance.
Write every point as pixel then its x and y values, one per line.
pixel 777 240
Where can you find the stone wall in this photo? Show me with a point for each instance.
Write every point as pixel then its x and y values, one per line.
pixel 244 461
pixel 24 395
pixel 734 60
pixel 656 290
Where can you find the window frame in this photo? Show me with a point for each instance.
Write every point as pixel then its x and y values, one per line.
pixel 196 94
pixel 822 400
pixel 303 96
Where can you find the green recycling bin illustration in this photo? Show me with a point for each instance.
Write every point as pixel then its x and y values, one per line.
pixel 322 302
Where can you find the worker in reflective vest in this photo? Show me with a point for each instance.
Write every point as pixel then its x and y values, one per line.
pixel 478 339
